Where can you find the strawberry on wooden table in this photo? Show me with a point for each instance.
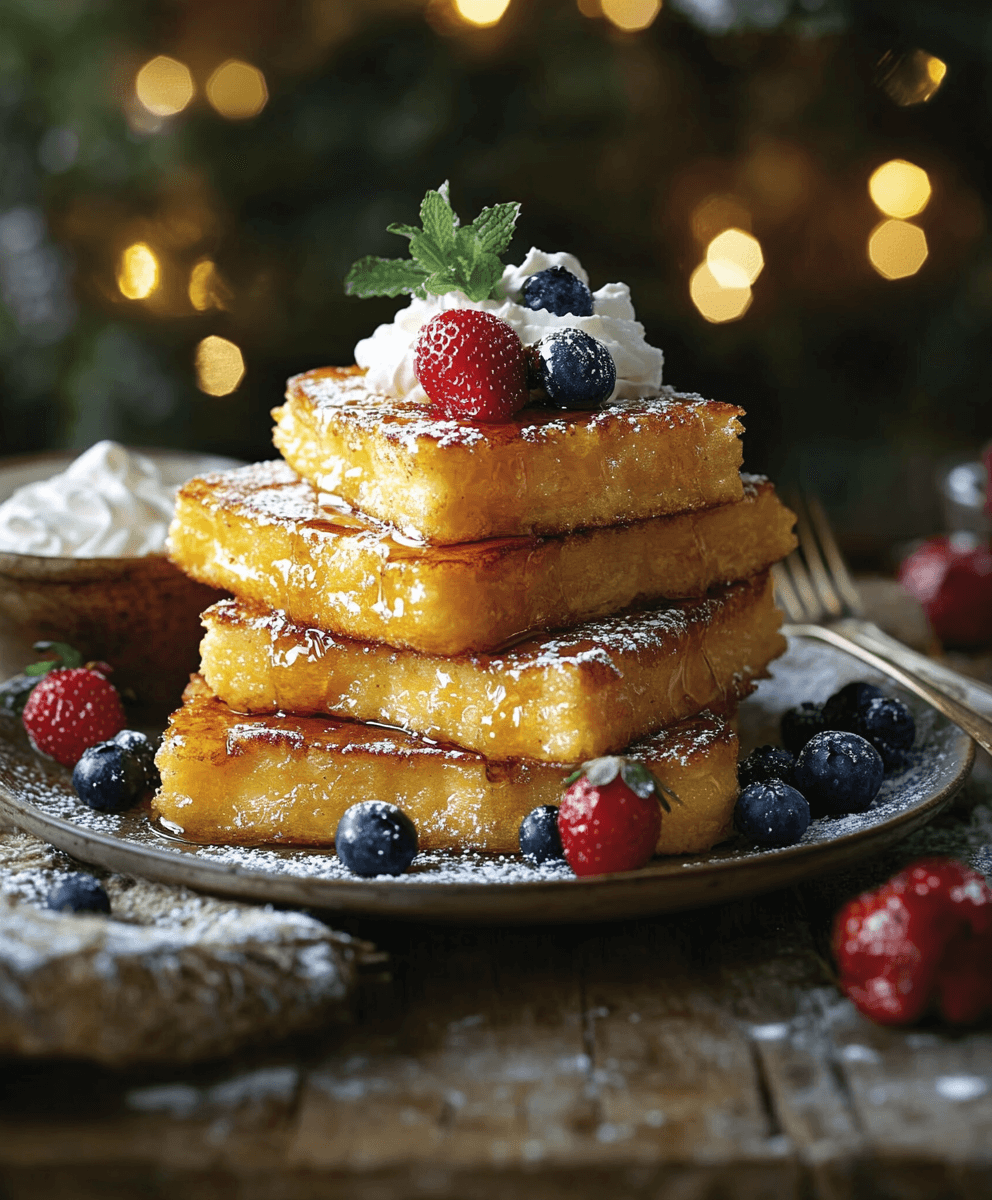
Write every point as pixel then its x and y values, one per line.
pixel 921 941
pixel 72 707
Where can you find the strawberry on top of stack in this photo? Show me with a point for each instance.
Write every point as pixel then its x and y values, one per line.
pixel 498 551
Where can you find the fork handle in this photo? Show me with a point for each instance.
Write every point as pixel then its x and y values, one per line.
pixel 975 724
pixel 959 687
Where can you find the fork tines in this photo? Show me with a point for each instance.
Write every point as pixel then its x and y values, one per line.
pixel 813 583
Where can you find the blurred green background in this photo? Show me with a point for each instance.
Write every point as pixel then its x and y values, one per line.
pixel 179 172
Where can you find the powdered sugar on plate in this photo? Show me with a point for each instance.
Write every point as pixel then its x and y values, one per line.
pixel 37 795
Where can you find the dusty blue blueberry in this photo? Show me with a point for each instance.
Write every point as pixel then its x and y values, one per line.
pixel 540 840
pixel 574 369
pixel 771 813
pixel 109 778
pixel 800 724
pixel 79 893
pixel 144 751
pixel 838 772
pixel 841 710
pixel 767 762
pixel 558 291
pixel 376 838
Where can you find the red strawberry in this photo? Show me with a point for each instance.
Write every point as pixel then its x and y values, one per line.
pixel 471 365
pixel 71 709
pixel 922 940
pixel 610 816
pixel 952 578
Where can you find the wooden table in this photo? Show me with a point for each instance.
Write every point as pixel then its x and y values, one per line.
pixel 707 1055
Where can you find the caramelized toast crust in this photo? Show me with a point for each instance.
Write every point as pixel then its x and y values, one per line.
pixel 559 698
pixel 542 471
pixel 269 537
pixel 255 779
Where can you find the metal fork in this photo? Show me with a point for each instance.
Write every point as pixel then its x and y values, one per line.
pixel 815 590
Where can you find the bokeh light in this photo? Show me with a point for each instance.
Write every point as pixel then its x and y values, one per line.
pixel 897 249
pixel 219 366
pixel 206 287
pixel 137 272
pixel 237 90
pixel 899 188
pixel 631 15
pixel 590 8
pixel 716 303
pixel 164 86
pixel 911 78
pixel 481 12
pixel 735 259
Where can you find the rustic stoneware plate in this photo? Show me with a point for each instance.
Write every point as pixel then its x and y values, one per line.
pixel 37 795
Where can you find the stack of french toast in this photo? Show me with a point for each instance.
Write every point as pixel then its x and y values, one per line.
pixel 452 615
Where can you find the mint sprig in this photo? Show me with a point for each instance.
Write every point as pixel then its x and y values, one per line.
pixel 446 256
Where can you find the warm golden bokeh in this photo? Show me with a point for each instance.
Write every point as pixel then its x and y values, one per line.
pixel 735 259
pixel 590 8
pixel 715 302
pixel 912 78
pixel 900 189
pixel 137 272
pixel 219 366
pixel 237 90
pixel 206 287
pixel 164 86
pixel 897 249
pixel 631 15
pixel 481 12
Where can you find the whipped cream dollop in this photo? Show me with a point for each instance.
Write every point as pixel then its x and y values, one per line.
pixel 389 353
pixel 109 503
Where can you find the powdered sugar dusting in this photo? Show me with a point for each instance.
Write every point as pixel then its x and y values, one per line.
pixel 808 671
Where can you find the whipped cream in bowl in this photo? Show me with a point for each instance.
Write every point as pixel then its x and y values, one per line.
pixel 82 560
pixel 389 353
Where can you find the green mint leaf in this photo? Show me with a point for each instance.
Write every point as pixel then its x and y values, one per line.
pixel 373 276
pixel 494 226
pixel 428 253
pixel 439 220
pixel 407 231
pixel 445 256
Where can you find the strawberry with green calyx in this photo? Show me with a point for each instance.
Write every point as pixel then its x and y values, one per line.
pixel 72 706
pixel 446 256
pixel 610 816
pixel 15 691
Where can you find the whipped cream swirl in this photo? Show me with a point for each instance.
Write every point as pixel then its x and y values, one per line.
pixel 389 353
pixel 109 503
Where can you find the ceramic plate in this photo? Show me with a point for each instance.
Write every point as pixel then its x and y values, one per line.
pixel 37 796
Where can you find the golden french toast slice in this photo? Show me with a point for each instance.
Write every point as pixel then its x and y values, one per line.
pixel 562 697
pixel 543 471
pixel 249 780
pixel 268 536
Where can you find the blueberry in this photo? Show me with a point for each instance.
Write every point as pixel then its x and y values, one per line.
pixel 14 693
pixel 109 778
pixel 144 751
pixel 574 369
pixel 800 724
pixel 767 762
pixel 79 893
pixel 839 772
pixel 558 291
pixel 840 711
pixel 888 720
pixel 376 838
pixel 772 813
pixel 540 841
